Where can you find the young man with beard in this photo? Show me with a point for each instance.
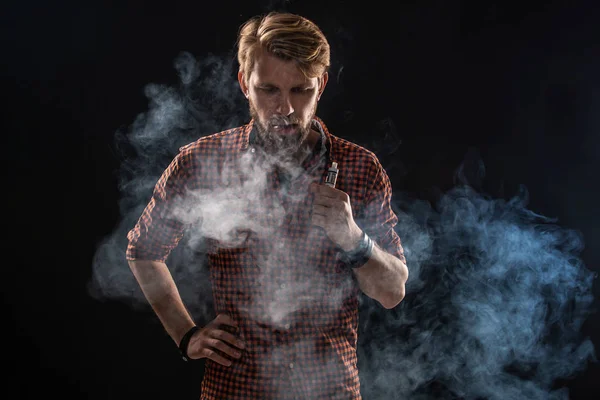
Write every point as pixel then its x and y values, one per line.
pixel 286 281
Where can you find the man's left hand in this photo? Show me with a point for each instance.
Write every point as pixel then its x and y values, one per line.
pixel 332 211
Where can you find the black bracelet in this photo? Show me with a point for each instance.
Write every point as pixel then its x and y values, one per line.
pixel 360 255
pixel 185 340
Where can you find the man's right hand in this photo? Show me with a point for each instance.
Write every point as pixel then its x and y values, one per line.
pixel 209 341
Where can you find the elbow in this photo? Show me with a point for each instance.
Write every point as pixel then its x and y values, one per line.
pixel 393 299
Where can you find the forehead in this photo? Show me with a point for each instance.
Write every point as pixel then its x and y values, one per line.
pixel 272 70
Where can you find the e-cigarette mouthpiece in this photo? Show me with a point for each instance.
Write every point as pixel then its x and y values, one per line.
pixel 332 175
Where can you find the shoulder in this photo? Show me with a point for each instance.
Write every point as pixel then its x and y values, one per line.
pixel 227 140
pixel 212 147
pixel 355 157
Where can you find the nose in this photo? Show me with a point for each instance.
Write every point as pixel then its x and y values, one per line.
pixel 284 105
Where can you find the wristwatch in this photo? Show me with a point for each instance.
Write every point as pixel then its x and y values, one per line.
pixel 360 255
pixel 183 345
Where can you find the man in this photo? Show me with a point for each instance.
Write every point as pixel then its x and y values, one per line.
pixel 287 253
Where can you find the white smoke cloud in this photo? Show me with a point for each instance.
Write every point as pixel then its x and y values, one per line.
pixel 494 311
pixel 496 296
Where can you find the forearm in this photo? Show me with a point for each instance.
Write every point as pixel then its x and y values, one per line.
pixel 383 278
pixel 161 292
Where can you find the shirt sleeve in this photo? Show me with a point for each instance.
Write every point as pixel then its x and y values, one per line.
pixel 158 230
pixel 378 219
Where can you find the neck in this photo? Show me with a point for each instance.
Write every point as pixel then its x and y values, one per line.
pixel 307 147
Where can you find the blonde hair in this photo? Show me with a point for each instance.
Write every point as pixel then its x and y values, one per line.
pixel 287 36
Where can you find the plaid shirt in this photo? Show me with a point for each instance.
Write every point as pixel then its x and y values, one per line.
pixel 277 276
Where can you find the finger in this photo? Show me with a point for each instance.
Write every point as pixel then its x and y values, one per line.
pixel 318 220
pixel 327 191
pixel 213 354
pixel 224 348
pixel 328 195
pixel 228 338
pixel 324 201
pixel 225 319
pixel 320 210
pixel 229 328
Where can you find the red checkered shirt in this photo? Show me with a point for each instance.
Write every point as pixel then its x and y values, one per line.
pixel 274 273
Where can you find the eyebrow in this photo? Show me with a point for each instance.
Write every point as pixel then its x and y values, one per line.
pixel 270 85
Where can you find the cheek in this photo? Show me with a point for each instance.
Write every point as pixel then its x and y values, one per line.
pixel 306 109
pixel 263 105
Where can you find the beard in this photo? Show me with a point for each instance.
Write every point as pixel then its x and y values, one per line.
pixel 280 144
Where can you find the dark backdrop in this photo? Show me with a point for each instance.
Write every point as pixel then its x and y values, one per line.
pixel 422 83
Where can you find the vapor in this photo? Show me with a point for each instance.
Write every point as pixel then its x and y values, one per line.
pixel 207 100
pixel 494 307
pixel 496 297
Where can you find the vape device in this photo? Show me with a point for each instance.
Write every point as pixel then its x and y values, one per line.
pixel 332 174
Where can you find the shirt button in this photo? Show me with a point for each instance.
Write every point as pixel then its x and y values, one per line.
pixel 287 326
pixel 282 286
pixel 252 150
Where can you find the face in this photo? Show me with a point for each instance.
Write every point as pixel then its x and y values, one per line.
pixel 282 101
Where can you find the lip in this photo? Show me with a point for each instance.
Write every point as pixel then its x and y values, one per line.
pixel 285 129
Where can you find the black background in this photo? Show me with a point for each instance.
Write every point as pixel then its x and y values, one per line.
pixel 518 82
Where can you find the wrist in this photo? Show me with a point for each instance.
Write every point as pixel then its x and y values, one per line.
pixel 180 333
pixel 353 242
pixel 185 340
pixel 359 256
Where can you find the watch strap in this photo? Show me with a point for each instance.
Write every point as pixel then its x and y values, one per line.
pixel 360 255
pixel 185 341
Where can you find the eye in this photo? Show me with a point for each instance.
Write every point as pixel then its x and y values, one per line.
pixel 269 89
pixel 301 90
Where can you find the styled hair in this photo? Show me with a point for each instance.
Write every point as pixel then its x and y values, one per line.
pixel 286 36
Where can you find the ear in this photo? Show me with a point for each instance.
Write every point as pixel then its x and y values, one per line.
pixel 322 84
pixel 243 85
